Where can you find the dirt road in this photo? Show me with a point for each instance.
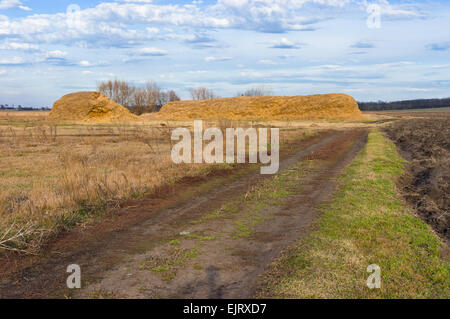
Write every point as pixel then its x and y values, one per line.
pixel 211 240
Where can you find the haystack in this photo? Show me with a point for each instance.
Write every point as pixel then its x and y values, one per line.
pixel 89 107
pixel 312 107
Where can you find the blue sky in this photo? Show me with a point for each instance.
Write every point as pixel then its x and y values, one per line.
pixel 50 48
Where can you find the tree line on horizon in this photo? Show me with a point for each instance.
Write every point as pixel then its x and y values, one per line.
pixel 150 98
pixel 12 107
pixel 404 105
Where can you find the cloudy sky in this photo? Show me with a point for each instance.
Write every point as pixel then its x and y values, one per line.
pixel 371 49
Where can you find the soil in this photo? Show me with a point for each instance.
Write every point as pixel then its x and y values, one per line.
pixel 425 143
pixel 126 256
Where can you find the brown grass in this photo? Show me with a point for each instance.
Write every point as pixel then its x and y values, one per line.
pixel 55 176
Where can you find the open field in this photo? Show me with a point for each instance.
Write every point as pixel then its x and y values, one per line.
pixel 212 211
pixel 55 176
pixel 108 197
pixel 424 113
pixel 433 110
pixel 8 118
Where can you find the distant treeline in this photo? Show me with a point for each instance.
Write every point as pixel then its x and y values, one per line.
pixel 160 98
pixel 6 107
pixel 404 105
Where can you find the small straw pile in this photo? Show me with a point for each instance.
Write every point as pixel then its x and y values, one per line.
pixel 89 107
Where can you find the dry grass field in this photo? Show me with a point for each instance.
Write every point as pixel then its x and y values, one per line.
pixel 57 175
pixel 110 198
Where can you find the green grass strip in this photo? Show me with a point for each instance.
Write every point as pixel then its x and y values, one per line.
pixel 366 223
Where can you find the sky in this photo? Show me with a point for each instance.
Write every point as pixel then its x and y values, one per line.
pixel 370 49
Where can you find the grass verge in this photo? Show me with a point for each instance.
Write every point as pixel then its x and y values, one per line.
pixel 366 223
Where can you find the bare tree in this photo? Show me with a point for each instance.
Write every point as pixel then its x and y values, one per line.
pixel 119 91
pixel 139 100
pixel 173 97
pixel 125 94
pixel 163 98
pixel 153 95
pixel 256 91
pixel 106 88
pixel 199 94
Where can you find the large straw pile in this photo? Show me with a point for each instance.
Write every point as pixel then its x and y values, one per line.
pixel 312 107
pixel 89 107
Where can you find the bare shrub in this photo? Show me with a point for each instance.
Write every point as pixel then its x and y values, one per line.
pixel 14 238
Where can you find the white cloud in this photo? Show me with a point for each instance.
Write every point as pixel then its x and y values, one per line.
pixel 395 64
pixel 151 52
pixel 399 10
pixel 58 54
pixel 152 30
pixel 112 23
pixel 109 23
pixel 217 59
pixel 285 44
pixel 137 1
pixel 12 61
pixel 11 4
pixel 25 8
pixel 19 46
pixel 440 66
pixel 84 63
pixel 113 20
pixel 267 62
pixel 275 16
pixel 198 72
pixel 420 89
